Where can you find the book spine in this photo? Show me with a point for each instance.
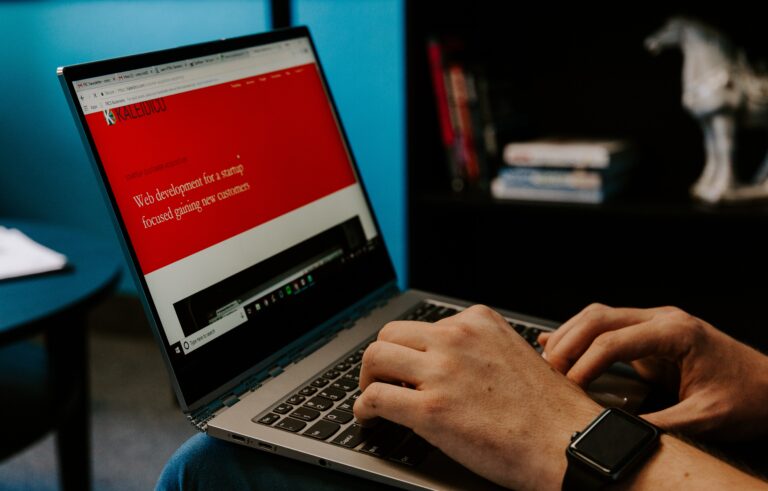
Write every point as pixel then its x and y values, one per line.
pixel 536 155
pixel 502 190
pixel 443 104
pixel 564 179
pixel 458 86
pixel 478 130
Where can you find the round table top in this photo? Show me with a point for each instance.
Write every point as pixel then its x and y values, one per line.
pixel 94 268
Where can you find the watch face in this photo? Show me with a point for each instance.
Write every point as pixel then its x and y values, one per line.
pixel 613 440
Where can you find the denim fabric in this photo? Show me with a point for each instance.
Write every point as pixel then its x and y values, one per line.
pixel 205 463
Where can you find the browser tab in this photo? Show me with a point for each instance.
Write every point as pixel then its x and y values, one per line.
pixel 235 55
pixel 204 61
pixel 175 66
pixel 134 74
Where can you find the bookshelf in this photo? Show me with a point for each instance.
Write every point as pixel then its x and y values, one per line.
pixel 567 68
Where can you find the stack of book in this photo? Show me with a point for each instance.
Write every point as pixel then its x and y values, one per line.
pixel 464 114
pixel 563 170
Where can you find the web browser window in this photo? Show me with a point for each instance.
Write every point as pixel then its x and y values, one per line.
pixel 237 192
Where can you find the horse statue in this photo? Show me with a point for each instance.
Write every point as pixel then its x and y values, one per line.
pixel 721 90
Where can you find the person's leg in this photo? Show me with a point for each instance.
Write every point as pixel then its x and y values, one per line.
pixel 205 463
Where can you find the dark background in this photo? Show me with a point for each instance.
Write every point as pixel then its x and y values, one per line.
pixel 566 68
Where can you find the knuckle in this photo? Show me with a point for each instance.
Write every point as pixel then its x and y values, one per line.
pixel 670 309
pixel 595 307
pixel 371 354
pixel 692 329
pixel 457 332
pixel 433 406
pixel 446 365
pixel 593 317
pixel 481 310
pixel 385 331
pixel 369 398
pixel 606 341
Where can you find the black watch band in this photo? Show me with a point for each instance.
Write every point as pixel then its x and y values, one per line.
pixel 578 478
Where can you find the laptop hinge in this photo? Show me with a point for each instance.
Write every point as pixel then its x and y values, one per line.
pixel 200 417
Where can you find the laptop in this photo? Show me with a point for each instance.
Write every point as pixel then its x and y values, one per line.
pixel 257 254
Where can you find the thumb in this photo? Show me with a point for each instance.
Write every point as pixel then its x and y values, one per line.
pixel 685 417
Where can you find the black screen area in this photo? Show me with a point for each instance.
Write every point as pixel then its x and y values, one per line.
pixel 612 440
pixel 346 269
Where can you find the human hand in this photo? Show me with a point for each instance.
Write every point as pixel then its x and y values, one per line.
pixel 471 386
pixel 722 384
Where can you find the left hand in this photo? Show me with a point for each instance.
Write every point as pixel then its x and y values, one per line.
pixel 471 386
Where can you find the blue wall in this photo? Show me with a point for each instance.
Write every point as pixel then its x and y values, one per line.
pixel 362 48
pixel 44 172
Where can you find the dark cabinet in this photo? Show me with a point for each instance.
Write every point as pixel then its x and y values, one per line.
pixel 559 68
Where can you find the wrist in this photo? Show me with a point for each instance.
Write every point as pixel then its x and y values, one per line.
pixel 567 419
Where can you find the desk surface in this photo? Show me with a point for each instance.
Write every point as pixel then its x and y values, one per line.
pixel 95 268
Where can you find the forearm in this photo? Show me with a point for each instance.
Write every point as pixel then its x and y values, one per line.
pixel 677 465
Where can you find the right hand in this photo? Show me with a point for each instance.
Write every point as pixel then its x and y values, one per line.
pixel 721 383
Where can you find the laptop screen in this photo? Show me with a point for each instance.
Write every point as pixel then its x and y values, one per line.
pixel 240 201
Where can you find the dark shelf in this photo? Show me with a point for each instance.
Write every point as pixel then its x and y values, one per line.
pixel 483 202
pixel 573 68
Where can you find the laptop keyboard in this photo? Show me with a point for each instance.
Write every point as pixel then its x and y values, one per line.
pixel 322 408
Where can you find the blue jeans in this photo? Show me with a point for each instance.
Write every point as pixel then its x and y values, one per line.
pixel 205 463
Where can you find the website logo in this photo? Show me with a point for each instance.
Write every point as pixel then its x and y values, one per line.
pixel 137 111
pixel 109 117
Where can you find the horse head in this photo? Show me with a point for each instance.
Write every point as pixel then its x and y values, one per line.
pixel 668 36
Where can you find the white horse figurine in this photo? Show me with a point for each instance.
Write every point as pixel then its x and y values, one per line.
pixel 720 89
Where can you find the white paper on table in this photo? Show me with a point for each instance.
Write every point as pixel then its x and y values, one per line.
pixel 22 256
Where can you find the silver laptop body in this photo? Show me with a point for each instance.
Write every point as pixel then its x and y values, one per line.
pixel 251 238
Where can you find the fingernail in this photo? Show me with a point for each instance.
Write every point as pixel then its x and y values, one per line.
pixel 544 354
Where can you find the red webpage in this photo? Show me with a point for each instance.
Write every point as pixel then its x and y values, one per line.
pixel 193 169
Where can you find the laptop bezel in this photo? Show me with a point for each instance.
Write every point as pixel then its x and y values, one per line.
pixel 72 73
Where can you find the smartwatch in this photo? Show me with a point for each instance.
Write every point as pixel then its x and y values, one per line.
pixel 608 449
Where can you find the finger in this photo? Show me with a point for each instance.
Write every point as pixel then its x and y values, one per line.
pixel 628 344
pixel 568 325
pixel 389 362
pixel 544 338
pixel 563 352
pixel 391 402
pixel 412 334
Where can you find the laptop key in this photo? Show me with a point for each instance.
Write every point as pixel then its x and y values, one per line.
pixel 295 399
pixel 342 367
pixel 354 358
pixel 322 430
pixel 319 403
pixel 412 451
pixel 308 391
pixel 519 328
pixel 283 408
pixel 346 405
pixel 290 424
pixel 352 436
pixel 352 378
pixel 340 417
pixel 331 374
pixel 385 440
pixel 305 414
pixel 320 382
pixel 267 419
pixel 333 394
pixel 345 385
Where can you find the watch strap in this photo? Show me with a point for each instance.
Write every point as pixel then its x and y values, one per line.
pixel 579 478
